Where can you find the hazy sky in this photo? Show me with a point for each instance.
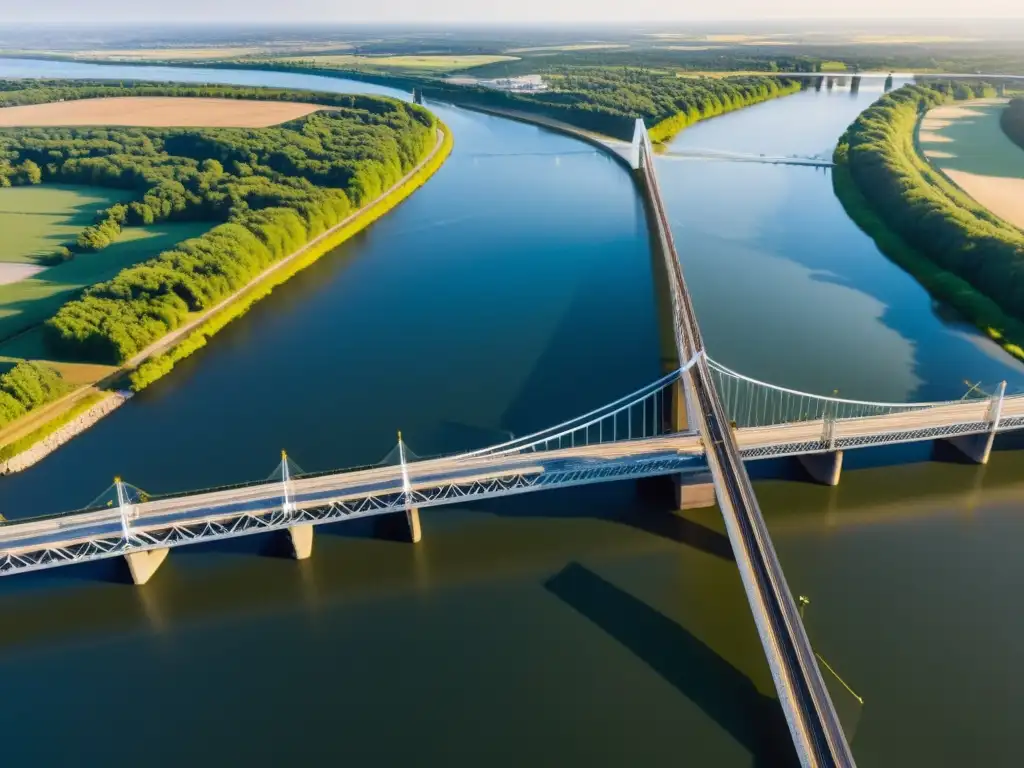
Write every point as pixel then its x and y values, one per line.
pixel 477 10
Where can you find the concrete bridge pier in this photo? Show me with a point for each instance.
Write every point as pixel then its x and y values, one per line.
pixel 301 538
pixel 823 468
pixel 694 491
pixel 143 565
pixel 399 526
pixel 977 448
pixel 412 517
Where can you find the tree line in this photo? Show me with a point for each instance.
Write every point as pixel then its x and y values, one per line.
pixel 269 191
pixel 605 99
pixel 609 101
pixel 928 211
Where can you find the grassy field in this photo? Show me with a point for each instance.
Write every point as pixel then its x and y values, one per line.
pixel 157 112
pixel 408 63
pixel 966 142
pixel 30 302
pixel 35 220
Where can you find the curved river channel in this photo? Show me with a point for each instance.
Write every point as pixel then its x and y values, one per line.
pixel 582 627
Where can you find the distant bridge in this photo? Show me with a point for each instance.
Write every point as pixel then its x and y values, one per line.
pixel 745 157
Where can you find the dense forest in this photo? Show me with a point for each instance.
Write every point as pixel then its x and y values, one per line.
pixel 972 246
pixel 269 191
pixel 609 100
pixel 1012 121
pixel 602 99
pixel 667 103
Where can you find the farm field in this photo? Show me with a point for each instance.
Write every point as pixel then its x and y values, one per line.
pixel 157 111
pixel 31 301
pixel 35 220
pixel 427 63
pixel 966 142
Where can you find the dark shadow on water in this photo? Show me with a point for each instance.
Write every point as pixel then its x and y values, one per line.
pixel 724 693
pixel 655 519
pixel 112 570
pixel 945 453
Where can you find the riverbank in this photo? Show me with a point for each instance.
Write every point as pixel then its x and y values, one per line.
pixel 960 252
pixel 34 447
pixel 160 357
pixel 942 285
pixel 666 130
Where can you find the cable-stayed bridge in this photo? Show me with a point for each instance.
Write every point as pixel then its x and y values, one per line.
pixel 701 414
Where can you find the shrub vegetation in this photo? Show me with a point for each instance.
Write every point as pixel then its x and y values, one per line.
pixel 27 386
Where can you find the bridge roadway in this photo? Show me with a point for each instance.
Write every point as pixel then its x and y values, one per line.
pixel 817 734
pixel 449 479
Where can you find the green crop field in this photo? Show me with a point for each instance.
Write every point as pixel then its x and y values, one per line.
pixel 35 220
pixel 31 301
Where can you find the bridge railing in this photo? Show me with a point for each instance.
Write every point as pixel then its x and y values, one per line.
pixel 639 415
pixel 752 403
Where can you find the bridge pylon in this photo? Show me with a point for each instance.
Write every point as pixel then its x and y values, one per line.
pixel 404 524
pixel 640 149
pixel 978 447
pixel 300 535
pixel 142 561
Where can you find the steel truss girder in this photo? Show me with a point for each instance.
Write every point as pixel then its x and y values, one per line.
pixel 867 441
pixel 174 535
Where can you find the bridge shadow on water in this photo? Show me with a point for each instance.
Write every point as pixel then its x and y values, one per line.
pixel 644 505
pixel 720 690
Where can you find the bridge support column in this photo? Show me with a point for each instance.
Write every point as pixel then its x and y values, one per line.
pixel 399 526
pixel 143 565
pixel 301 538
pixel 679 405
pixel 823 468
pixel 694 491
pixel 977 448
pixel 412 517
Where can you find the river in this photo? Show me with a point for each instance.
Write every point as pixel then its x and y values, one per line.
pixel 512 291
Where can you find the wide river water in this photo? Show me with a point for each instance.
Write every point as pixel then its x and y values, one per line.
pixel 581 627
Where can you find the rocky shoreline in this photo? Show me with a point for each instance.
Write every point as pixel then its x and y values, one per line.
pixel 52 442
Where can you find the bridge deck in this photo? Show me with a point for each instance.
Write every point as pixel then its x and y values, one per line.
pixel 814 726
pixel 631 458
